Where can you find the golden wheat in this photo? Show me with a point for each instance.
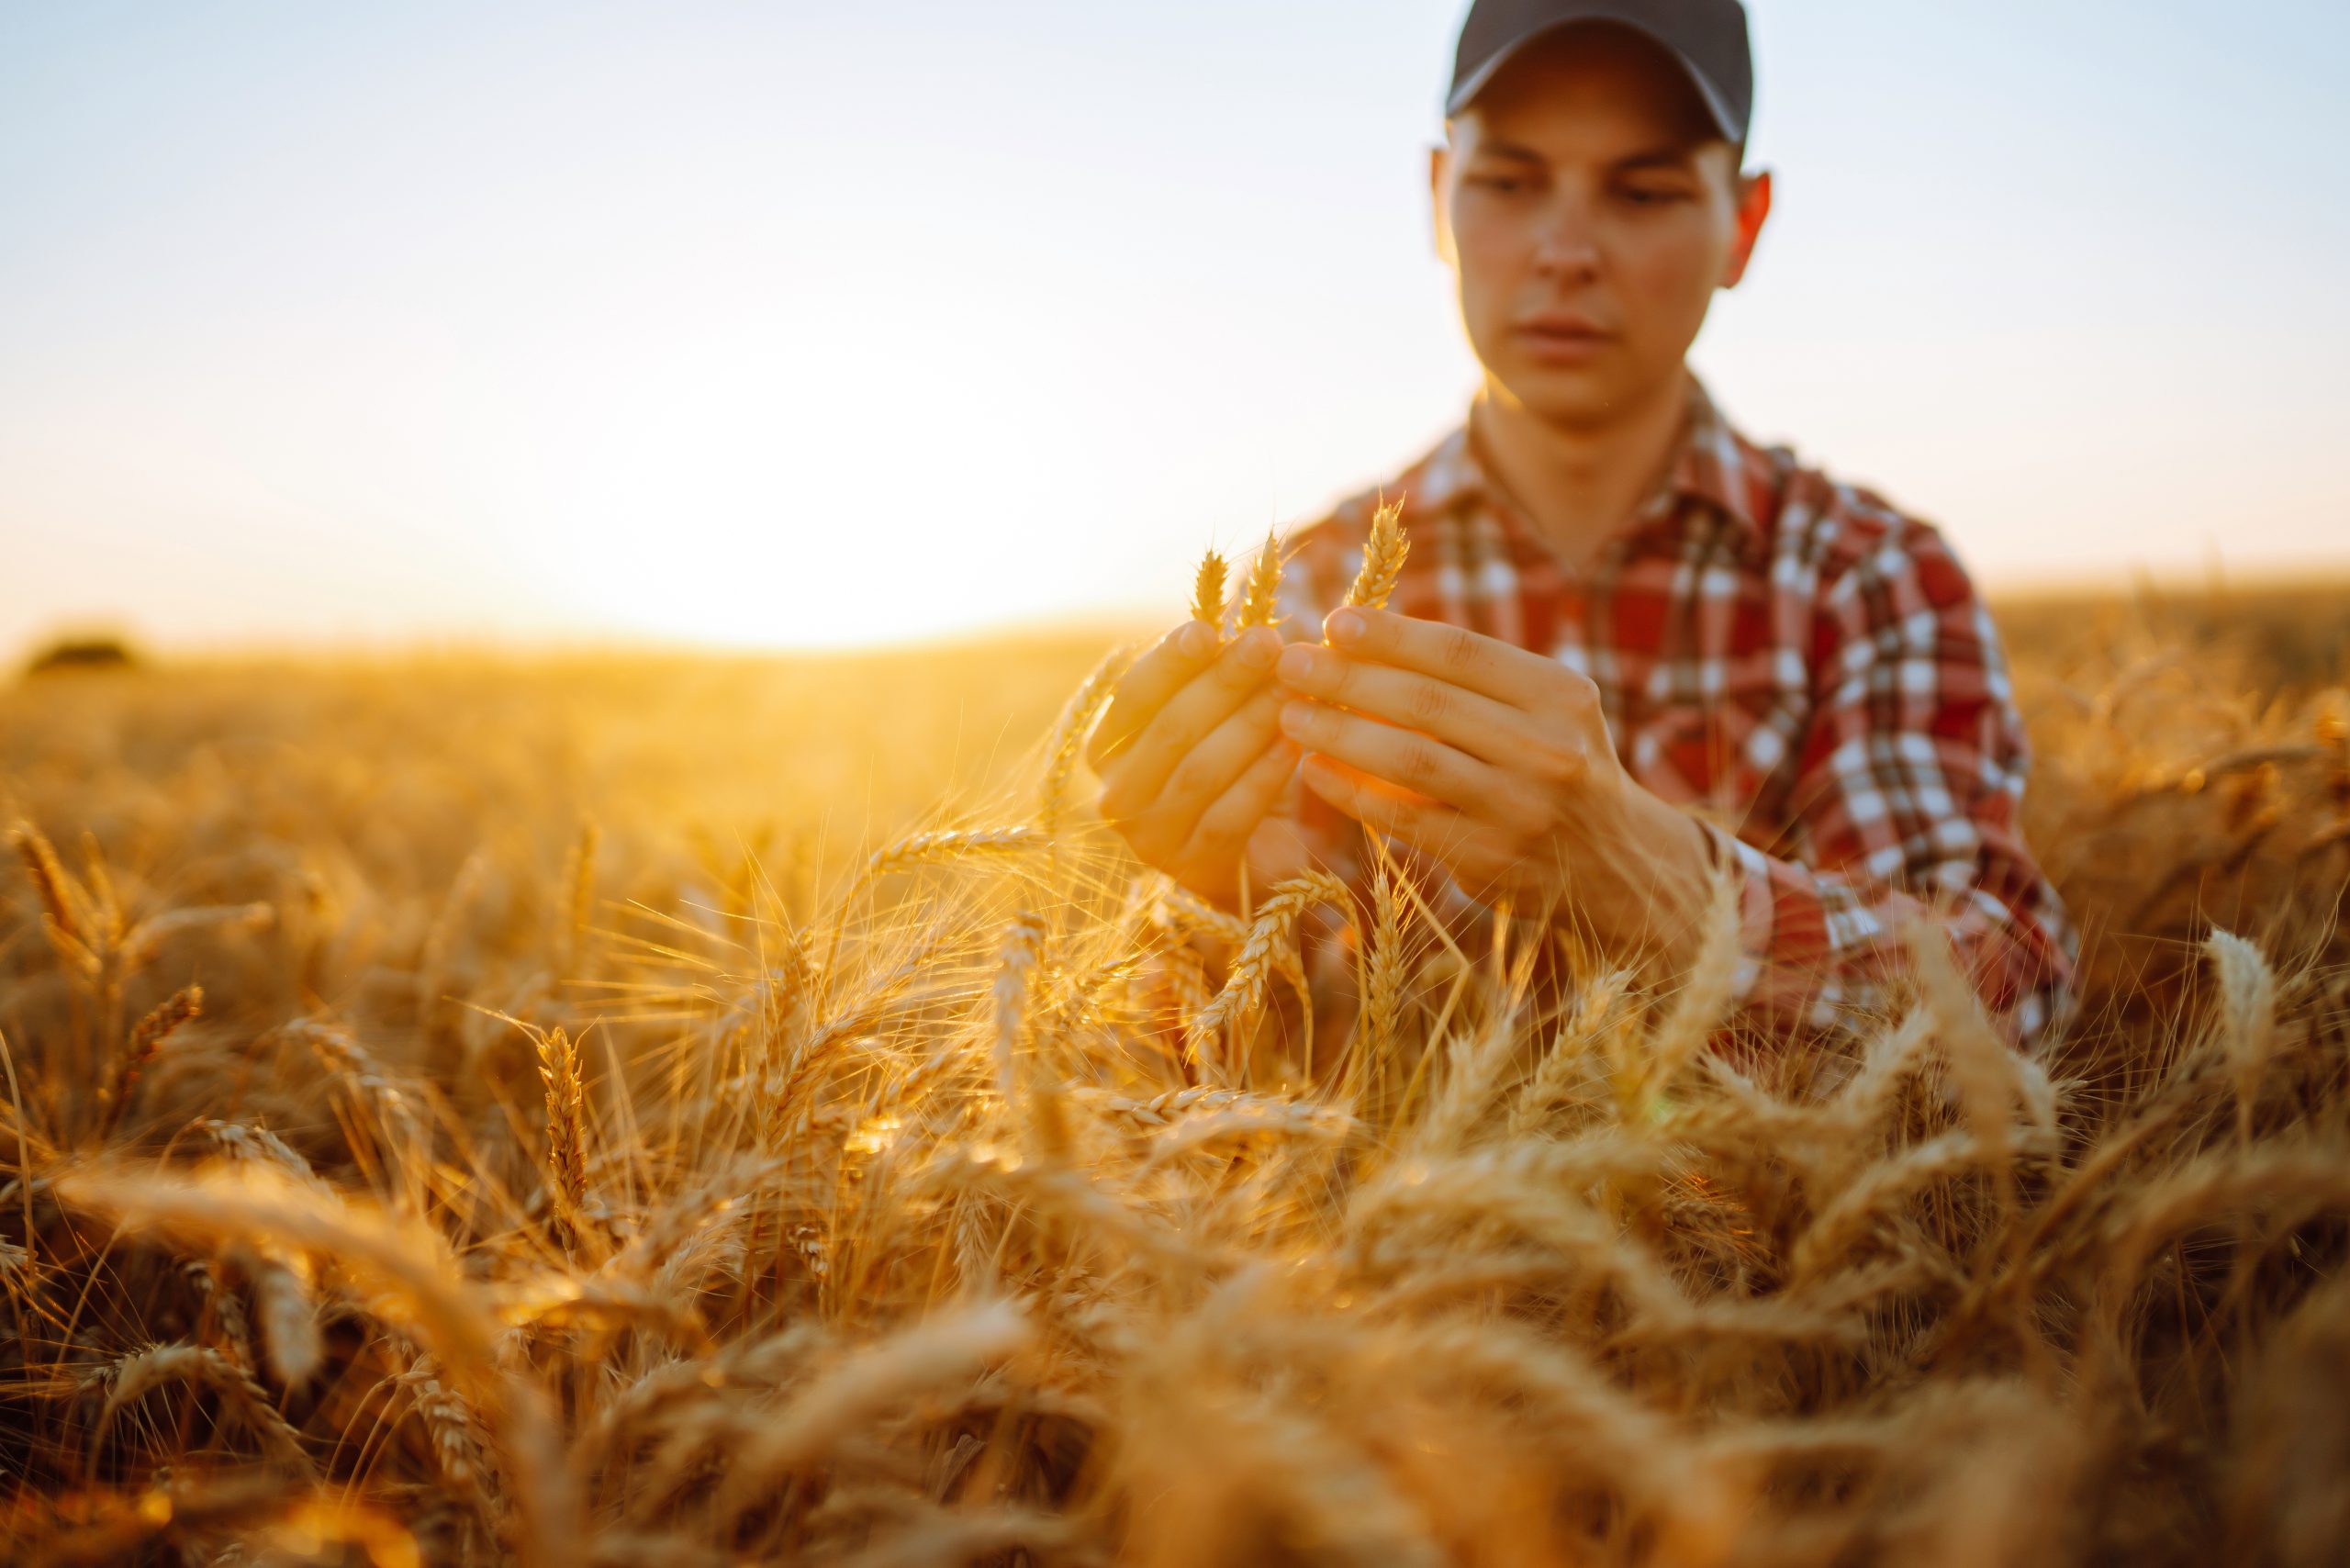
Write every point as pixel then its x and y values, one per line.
pixel 567 1129
pixel 1267 953
pixel 1207 590
pixel 1260 596
pixel 1384 548
pixel 896 1223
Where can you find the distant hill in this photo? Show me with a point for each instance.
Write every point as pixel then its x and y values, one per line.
pixel 84 653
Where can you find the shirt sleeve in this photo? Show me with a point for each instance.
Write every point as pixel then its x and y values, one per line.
pixel 1903 808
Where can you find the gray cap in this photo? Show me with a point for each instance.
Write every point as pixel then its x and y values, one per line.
pixel 1707 37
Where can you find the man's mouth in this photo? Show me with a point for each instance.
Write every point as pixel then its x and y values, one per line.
pixel 1562 337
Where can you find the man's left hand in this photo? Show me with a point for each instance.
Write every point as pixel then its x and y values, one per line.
pixel 1498 762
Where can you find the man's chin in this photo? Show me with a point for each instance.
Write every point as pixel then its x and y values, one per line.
pixel 1568 398
pixel 1580 395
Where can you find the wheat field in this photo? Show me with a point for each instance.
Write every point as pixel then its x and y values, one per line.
pixel 675 1111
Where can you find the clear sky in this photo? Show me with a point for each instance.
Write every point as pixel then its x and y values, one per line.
pixel 789 323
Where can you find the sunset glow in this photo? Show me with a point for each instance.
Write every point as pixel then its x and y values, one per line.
pixel 739 326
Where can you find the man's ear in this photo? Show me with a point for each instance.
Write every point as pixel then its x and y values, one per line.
pixel 1439 223
pixel 1753 211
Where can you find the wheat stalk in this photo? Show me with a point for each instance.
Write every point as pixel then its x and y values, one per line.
pixel 1067 742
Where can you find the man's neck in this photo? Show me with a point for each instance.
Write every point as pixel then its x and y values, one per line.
pixel 1579 486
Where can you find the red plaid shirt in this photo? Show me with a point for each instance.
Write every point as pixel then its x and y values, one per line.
pixel 1804 668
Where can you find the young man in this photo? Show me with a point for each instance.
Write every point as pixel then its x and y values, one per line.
pixel 1629 647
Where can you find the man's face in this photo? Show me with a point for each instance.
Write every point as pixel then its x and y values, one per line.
pixel 1589 208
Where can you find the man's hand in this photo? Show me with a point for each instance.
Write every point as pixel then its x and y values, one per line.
pixel 1497 761
pixel 1191 761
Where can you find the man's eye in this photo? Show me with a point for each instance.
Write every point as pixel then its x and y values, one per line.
pixel 1653 196
pixel 1502 182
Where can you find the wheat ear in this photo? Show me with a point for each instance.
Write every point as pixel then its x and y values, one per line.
pixel 2248 1016
pixel 289 1320
pixel 1207 590
pixel 1260 597
pixel 918 848
pixel 147 1037
pixel 1185 910
pixel 579 894
pixel 448 1425
pixel 1385 977
pixel 51 883
pixel 883 1378
pixel 1262 956
pixel 1383 551
pixel 62 920
pixel 1703 1001
pixel 566 1134
pixel 135 1374
pixel 1024 1088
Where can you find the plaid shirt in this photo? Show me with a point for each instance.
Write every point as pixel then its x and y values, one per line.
pixel 1804 668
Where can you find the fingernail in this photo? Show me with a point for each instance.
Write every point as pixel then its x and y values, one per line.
pixel 1192 641
pixel 1297 662
pixel 1296 716
pixel 1343 626
pixel 1259 649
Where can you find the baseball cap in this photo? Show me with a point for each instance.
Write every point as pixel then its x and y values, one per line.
pixel 1706 36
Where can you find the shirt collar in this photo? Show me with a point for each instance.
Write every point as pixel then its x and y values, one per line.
pixel 1709 465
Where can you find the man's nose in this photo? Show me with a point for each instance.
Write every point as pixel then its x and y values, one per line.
pixel 1569 244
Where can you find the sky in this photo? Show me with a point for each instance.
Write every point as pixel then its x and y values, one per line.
pixel 788 325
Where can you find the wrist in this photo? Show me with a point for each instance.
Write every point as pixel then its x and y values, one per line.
pixel 1664 877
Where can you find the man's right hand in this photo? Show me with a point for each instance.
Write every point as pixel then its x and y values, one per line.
pixel 1191 759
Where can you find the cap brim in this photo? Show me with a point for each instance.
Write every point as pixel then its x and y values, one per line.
pixel 1464 92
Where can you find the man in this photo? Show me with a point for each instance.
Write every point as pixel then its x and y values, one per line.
pixel 1629 647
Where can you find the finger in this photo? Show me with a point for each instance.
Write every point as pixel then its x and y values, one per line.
pixel 1145 688
pixel 1489 730
pixel 1135 779
pixel 1222 833
pixel 1419 822
pixel 1403 757
pixel 1204 773
pixel 1487 666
